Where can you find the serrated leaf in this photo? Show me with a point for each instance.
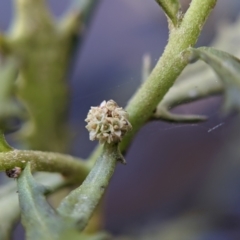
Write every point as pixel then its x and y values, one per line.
pixel 171 9
pixel 227 67
pixel 40 220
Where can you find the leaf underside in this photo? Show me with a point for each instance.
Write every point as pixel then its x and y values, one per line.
pixel 227 68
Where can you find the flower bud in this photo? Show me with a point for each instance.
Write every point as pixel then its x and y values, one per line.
pixel 107 122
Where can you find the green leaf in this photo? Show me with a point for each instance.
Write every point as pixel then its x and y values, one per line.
pixel 4 146
pixel 227 67
pixel 9 212
pixel 9 204
pixel 171 9
pixel 193 88
pixel 4 44
pixel 83 236
pixel 81 202
pixel 40 220
pixel 11 111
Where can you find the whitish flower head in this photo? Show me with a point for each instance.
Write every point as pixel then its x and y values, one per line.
pixel 107 122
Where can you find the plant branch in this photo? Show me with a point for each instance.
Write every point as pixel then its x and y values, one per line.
pixel 10 108
pixel 141 107
pixel 187 91
pixel 72 168
pixel 41 46
pixel 197 77
pixel 143 104
pixel 80 203
pixel 30 16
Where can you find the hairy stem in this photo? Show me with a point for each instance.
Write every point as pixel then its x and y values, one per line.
pixel 72 168
pixel 169 66
pixel 142 105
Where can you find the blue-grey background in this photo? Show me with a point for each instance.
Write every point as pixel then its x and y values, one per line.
pixel 167 163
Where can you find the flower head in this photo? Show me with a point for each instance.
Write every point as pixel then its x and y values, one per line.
pixel 107 122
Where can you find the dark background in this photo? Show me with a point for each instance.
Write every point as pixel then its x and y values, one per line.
pixel 168 164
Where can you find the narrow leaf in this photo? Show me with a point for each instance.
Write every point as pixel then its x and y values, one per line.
pixel 189 90
pixel 38 217
pixel 171 9
pixel 80 203
pixel 4 43
pixel 227 67
pixel 4 146
pixel 9 214
pixel 78 17
pixel 10 109
pixel 83 236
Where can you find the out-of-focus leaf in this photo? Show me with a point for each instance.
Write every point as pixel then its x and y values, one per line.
pixel 190 89
pixel 171 9
pixel 9 213
pixel 82 236
pixel 227 67
pixel 146 66
pixel 85 8
pixel 40 220
pixel 10 109
pixel 4 147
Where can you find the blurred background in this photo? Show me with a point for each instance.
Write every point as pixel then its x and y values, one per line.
pixel 181 181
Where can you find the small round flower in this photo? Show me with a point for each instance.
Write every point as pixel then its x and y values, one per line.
pixel 107 122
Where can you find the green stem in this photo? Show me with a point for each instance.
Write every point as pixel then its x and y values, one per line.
pixel 80 203
pixel 142 105
pixel 45 49
pixel 168 68
pixel 30 15
pixel 72 168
